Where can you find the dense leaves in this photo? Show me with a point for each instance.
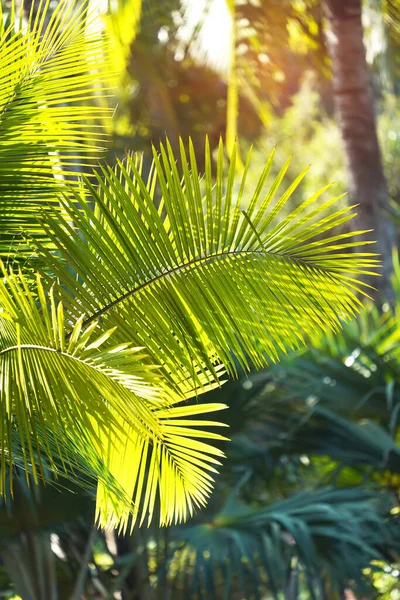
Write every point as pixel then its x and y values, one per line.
pixel 51 67
pixel 182 276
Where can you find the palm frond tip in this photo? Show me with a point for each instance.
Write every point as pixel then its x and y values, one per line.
pixel 81 396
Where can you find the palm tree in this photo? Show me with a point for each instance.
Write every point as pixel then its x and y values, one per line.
pixel 356 118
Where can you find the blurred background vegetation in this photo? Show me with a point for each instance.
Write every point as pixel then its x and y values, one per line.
pixel 307 504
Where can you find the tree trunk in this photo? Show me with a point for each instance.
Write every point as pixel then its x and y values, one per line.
pixel 354 105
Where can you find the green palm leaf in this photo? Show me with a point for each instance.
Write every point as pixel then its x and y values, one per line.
pixel 332 533
pixel 57 395
pixel 51 68
pixel 210 276
pixel 201 278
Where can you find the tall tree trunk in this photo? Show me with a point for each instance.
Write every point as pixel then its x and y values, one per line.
pixel 354 104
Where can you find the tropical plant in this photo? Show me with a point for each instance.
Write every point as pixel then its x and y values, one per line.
pixel 327 535
pixel 181 277
pixel 297 507
pixel 297 455
pixel 202 279
pixel 259 534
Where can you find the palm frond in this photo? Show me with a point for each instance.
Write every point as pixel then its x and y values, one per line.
pixel 204 279
pixel 58 395
pixel 52 66
pixel 332 533
pixel 211 276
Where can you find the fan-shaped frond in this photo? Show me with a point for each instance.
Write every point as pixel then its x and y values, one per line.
pixel 212 274
pixel 332 533
pixel 65 397
pixel 286 429
pixel 52 65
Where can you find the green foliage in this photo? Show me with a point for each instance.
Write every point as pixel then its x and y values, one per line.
pixel 50 130
pixel 171 264
pixel 309 536
pixel 169 278
pixel 308 131
pixel 154 284
pixel 267 537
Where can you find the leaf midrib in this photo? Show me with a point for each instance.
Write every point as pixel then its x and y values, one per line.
pixel 182 267
pixel 142 286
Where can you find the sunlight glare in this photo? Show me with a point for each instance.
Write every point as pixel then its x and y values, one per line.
pixel 213 41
